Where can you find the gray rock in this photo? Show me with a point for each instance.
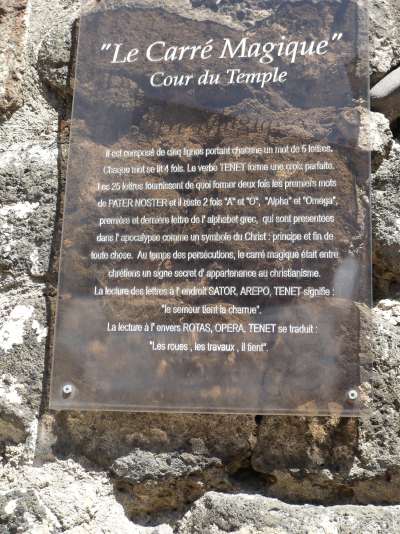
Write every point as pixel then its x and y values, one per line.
pixel 140 466
pixel 23 332
pixel 375 135
pixel 54 57
pixel 159 462
pixel 384 37
pixel 63 497
pixel 150 483
pixel 247 11
pixel 386 225
pixel 12 54
pixel 381 139
pixel 28 189
pixel 245 514
pixel 14 417
pixel 385 95
pixel 28 199
pixel 104 437
pixel 21 511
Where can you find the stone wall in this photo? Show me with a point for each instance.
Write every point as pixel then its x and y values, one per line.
pixel 149 473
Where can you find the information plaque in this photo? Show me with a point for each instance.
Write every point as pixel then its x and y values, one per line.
pixel 216 239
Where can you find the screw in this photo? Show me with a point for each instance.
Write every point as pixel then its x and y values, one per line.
pixel 67 389
pixel 352 395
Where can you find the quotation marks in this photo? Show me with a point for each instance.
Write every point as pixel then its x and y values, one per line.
pixel 337 36
pixel 105 47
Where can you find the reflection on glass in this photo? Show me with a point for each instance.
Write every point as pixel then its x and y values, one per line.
pixel 216 252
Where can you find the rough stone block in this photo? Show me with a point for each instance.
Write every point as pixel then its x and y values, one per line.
pixel 56 55
pixel 28 189
pixel 13 14
pixel 15 419
pixel 384 37
pixel 386 225
pixel 381 139
pixel 150 483
pixel 63 497
pixel 23 332
pixel 104 437
pixel 217 513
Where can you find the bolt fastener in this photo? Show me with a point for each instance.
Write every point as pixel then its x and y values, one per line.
pixel 352 395
pixel 67 389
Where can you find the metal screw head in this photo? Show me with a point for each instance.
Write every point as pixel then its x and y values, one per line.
pixel 67 389
pixel 352 394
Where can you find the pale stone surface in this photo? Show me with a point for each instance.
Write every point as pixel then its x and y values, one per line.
pixel 22 314
pixel 29 181
pixel 13 27
pixel 386 224
pixel 245 514
pixel 54 57
pixel 28 188
pixel 14 417
pixel 150 483
pixel 384 37
pixel 380 138
pixel 149 468
pixel 140 465
pixel 105 437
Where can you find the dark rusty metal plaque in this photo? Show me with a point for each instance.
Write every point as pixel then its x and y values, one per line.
pixel 216 241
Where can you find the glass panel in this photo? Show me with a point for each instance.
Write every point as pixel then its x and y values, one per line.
pixel 216 243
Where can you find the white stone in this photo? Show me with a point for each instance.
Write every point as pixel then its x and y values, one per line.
pixel 21 210
pixel 10 507
pixel 13 330
pixel 41 331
